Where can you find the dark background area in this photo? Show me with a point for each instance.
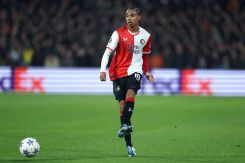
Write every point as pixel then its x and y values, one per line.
pixel 73 33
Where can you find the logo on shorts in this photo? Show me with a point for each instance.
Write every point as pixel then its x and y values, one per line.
pixel 118 88
pixel 142 41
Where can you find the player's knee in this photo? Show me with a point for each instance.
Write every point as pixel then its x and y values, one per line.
pixel 121 111
pixel 131 93
pixel 122 105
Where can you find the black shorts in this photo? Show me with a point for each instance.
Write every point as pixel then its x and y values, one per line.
pixel 121 85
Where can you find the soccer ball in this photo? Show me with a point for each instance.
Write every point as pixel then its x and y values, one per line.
pixel 29 147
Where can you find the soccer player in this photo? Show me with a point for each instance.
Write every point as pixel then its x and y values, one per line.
pixel 131 45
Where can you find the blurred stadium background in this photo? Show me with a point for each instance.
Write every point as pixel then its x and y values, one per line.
pixel 73 33
pixel 53 49
pixel 205 37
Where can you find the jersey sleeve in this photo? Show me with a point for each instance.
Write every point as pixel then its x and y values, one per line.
pixel 104 60
pixel 145 63
pixel 147 47
pixel 112 44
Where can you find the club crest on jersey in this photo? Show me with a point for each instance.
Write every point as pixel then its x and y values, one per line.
pixel 142 41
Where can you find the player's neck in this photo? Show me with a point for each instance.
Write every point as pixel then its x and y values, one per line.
pixel 134 29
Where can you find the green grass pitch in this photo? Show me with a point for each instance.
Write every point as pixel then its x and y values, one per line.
pixel 81 129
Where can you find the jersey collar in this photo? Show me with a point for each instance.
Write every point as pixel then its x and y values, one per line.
pixel 133 33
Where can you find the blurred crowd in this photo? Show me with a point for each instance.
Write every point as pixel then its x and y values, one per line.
pixel 186 33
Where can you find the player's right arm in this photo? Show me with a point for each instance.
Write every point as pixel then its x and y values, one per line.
pixel 146 52
pixel 111 46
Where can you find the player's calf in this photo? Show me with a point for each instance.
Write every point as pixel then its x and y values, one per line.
pixel 128 110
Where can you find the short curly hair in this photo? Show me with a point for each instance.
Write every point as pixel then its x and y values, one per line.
pixel 138 11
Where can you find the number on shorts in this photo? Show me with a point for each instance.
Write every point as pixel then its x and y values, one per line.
pixel 137 76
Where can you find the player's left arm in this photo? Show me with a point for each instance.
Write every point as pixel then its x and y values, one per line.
pixel 111 46
pixel 146 53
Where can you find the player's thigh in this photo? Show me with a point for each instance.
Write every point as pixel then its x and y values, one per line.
pixel 133 82
pixel 119 89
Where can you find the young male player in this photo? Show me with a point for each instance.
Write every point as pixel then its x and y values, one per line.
pixel 131 46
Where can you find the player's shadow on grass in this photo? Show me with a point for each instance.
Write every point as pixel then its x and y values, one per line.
pixel 59 158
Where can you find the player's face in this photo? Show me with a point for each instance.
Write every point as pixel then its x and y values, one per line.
pixel 132 18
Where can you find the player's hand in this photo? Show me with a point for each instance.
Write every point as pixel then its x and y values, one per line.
pixel 103 76
pixel 150 77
